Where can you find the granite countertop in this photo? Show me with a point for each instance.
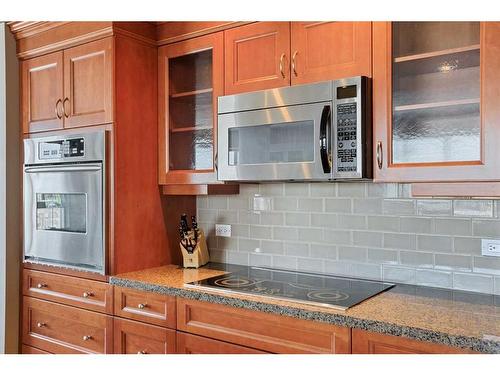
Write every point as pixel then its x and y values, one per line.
pixel 460 319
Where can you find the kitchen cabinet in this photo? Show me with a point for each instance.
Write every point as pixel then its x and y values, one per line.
pixel 63 329
pixel 435 101
pixel 69 88
pixel 192 344
pixel 26 349
pixel 267 55
pixel 257 57
pixel 140 338
pixel 322 51
pixel 42 93
pixel 262 331
pixel 364 342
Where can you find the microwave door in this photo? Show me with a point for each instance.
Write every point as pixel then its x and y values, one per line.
pixel 63 216
pixel 276 144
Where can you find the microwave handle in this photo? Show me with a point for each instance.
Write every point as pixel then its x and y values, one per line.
pixel 324 141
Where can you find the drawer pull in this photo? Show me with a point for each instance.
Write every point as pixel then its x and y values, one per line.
pixel 87 338
pixel 40 325
pixel 87 294
pixel 142 305
pixel 40 286
pixel 142 352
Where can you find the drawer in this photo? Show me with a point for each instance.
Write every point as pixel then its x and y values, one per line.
pixel 268 332
pixel 63 329
pixel 146 307
pixel 140 338
pixel 26 349
pixel 86 294
pixel 192 344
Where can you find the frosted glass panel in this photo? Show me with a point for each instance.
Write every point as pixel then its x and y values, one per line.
pixel 191 150
pixel 436 92
pixel 287 142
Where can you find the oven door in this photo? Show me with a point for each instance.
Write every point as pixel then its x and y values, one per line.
pixel 64 215
pixel 286 143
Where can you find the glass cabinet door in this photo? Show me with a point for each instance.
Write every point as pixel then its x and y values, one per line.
pixel 435 92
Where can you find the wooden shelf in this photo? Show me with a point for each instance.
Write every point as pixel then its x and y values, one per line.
pixel 431 105
pixel 191 93
pixel 191 129
pixel 444 52
pixel 204 189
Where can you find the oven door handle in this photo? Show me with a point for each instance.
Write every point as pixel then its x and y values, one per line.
pixel 59 168
pixel 325 148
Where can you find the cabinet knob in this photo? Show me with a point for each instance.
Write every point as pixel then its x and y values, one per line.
pixel 87 294
pixel 142 305
pixel 142 352
pixel 380 156
pixel 40 325
pixel 40 286
pixel 87 338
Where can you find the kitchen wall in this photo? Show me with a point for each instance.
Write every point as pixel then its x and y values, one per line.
pixel 359 229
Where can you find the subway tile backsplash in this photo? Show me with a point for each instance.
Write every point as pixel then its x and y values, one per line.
pixel 358 229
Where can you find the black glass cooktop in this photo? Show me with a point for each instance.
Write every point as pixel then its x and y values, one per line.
pixel 320 290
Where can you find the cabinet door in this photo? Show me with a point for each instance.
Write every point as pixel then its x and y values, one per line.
pixel 190 80
pixel 88 84
pixel 42 93
pixel 323 51
pixel 192 344
pixel 140 338
pixel 435 101
pixel 364 342
pixel 257 57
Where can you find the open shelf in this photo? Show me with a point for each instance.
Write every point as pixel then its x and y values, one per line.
pixel 431 105
pixel 426 55
pixel 191 93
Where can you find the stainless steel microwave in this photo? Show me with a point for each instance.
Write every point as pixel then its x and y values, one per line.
pixel 313 132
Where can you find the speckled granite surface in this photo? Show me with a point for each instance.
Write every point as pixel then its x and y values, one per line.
pixel 464 320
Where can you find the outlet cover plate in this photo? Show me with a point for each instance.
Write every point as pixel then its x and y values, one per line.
pixel 490 247
pixel 223 230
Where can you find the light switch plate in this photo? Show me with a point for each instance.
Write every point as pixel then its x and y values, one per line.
pixel 223 230
pixel 490 247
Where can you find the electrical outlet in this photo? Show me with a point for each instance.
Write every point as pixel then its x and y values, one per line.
pixel 490 248
pixel 223 230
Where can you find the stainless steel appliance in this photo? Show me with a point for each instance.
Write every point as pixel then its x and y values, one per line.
pixel 308 288
pixel 64 201
pixel 319 131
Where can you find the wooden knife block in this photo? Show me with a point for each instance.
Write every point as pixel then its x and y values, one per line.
pixel 200 255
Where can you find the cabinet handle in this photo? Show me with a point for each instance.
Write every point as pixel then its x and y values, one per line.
pixel 142 352
pixel 293 63
pixel 281 65
pixel 380 156
pixel 56 109
pixel 142 305
pixel 87 338
pixel 41 286
pixel 87 294
pixel 40 325
pixel 64 107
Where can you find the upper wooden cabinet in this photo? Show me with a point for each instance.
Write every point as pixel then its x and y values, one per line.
pixel 69 88
pixel 42 93
pixel 257 57
pixel 88 84
pixel 267 55
pixel 329 50
pixel 190 75
pixel 435 101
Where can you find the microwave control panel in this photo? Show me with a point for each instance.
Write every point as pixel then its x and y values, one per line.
pixel 347 137
pixel 61 149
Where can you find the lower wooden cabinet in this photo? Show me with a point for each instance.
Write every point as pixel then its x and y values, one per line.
pixel 140 338
pixel 364 342
pixel 63 329
pixel 268 332
pixel 26 349
pixel 192 344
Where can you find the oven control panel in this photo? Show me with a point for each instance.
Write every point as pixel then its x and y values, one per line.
pixel 347 136
pixel 61 149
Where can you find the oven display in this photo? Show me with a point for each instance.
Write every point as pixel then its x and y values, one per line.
pixel 346 137
pixel 68 148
